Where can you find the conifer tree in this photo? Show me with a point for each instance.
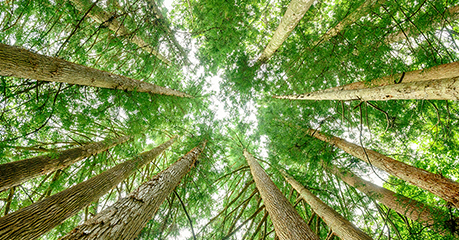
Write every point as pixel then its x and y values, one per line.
pixel 34 220
pixel 23 63
pixel 17 172
pixel 434 183
pixel 288 224
pixel 126 218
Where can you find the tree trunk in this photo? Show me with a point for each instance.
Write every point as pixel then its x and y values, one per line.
pixel 339 225
pixel 449 70
pixel 165 24
pixel 439 89
pixel 287 222
pixel 15 173
pixel 294 12
pixel 22 63
pixel 361 11
pixel 37 219
pixel 126 218
pixel 110 21
pixel 434 183
pixel 412 209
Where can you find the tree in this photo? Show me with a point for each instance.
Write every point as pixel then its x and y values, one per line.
pixel 22 63
pixel 106 19
pixel 126 218
pixel 294 12
pixel 412 209
pixel 40 217
pixel 338 224
pixel 288 224
pixel 440 89
pixel 434 183
pixel 15 173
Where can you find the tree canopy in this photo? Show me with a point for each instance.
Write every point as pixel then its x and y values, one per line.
pixel 209 50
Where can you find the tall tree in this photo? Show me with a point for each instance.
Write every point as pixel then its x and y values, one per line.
pixel 294 12
pixel 110 21
pixel 338 224
pixel 288 224
pixel 36 219
pixel 17 172
pixel 412 209
pixel 439 89
pixel 126 218
pixel 434 183
pixel 23 63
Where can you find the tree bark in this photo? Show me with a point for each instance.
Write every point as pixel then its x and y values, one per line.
pixel 412 209
pixel 35 220
pixel 126 218
pixel 339 225
pixel 110 21
pixel 15 173
pixel 439 89
pixel 434 183
pixel 294 12
pixel 287 222
pixel 23 63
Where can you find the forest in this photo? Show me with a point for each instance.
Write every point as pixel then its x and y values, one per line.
pixel 229 119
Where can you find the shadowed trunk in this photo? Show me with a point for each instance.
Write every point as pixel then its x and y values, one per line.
pixel 110 21
pixel 287 222
pixel 15 173
pixel 294 12
pixel 126 218
pixel 35 220
pixel 339 225
pixel 412 209
pixel 434 183
pixel 21 63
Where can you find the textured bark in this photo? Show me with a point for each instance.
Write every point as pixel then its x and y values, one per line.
pixel 15 173
pixel 361 11
pixel 449 70
pixel 440 89
pixel 33 221
pixel 434 183
pixel 126 218
pixel 294 12
pixel 339 225
pixel 22 63
pixel 452 15
pixel 410 208
pixel 287 222
pixel 110 21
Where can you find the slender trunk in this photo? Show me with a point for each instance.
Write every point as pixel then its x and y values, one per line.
pixel 452 15
pixel 9 200
pixel 434 183
pixel 126 218
pixel 339 225
pixel 294 12
pixel 439 89
pixel 110 21
pixel 15 173
pixel 449 70
pixel 287 222
pixel 165 24
pixel 35 220
pixel 23 63
pixel 361 11
pixel 412 209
